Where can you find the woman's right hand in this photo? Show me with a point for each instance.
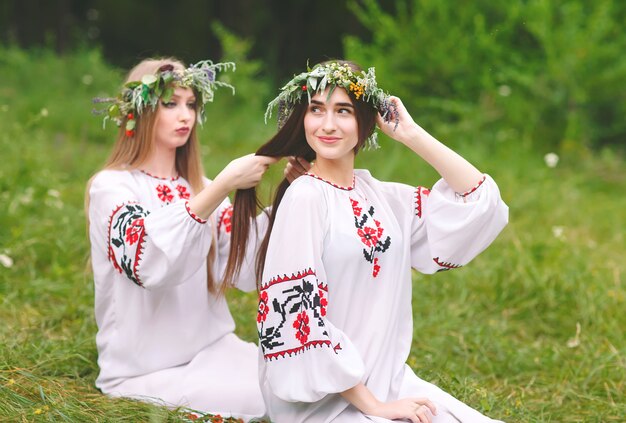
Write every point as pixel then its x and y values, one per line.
pixel 417 410
pixel 244 172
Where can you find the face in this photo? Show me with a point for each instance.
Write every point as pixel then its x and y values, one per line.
pixel 330 125
pixel 175 119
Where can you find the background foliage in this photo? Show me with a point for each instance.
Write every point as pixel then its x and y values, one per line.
pixel 532 330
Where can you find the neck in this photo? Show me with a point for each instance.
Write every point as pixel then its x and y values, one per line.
pixel 161 163
pixel 337 171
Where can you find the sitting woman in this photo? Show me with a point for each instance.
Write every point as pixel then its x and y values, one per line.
pixel 160 237
pixel 335 317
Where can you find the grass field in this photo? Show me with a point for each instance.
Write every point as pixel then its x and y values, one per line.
pixel 531 331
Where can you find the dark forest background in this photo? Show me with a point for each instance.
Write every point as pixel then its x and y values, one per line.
pixel 550 73
pixel 286 33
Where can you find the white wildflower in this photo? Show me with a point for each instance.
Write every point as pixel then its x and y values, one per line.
pixel 44 112
pixel 87 79
pixel 504 90
pixel 557 231
pixel 54 193
pixel 27 197
pixel 6 261
pixel 551 159
pixel 575 341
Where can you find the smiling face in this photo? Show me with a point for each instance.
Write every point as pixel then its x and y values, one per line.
pixel 175 119
pixel 331 127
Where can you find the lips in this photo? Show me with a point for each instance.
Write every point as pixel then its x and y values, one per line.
pixel 329 140
pixel 183 131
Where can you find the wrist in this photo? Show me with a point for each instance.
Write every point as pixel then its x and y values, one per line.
pixel 221 185
pixel 372 406
pixel 411 135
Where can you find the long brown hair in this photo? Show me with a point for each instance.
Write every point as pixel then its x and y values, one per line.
pixel 290 140
pixel 131 153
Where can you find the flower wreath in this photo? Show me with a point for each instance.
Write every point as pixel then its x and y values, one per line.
pixel 135 96
pixel 362 85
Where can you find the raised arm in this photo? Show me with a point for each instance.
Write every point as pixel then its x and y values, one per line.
pixel 460 175
pixel 244 172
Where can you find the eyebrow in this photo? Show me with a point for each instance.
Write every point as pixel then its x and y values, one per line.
pixel 192 97
pixel 321 103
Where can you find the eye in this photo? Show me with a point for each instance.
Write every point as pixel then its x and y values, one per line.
pixel 192 105
pixel 315 109
pixel 344 110
pixel 168 104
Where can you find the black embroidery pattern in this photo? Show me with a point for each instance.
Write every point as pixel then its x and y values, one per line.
pixel 290 315
pixel 126 237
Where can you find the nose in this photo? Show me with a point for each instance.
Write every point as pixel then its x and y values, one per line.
pixel 328 125
pixel 185 113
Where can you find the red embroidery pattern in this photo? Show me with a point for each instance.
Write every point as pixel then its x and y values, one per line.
pixel 111 252
pixel 193 215
pixel 165 193
pixel 126 239
pixel 225 219
pixel 301 325
pixel 419 193
pixel 376 267
pixel 263 307
pixel 134 231
pixel 182 192
pixel 331 183
pixel 371 233
pixel 446 265
pixel 297 350
pixel 290 314
pixel 466 193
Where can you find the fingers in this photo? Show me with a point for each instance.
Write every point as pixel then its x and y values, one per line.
pixel 299 164
pixel 266 160
pixel 296 167
pixel 428 403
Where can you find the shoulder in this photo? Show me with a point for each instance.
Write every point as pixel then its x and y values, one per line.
pixel 305 188
pixel 110 176
pixel 113 182
pixel 364 176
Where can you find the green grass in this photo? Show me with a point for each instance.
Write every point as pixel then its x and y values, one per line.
pixel 500 334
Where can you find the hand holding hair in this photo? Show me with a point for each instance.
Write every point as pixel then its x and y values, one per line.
pixel 296 167
pixel 242 173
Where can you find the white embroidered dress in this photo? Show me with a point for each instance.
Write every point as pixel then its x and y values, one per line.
pixel 335 300
pixel 161 335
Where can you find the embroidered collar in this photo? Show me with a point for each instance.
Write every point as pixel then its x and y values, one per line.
pixel 332 183
pixel 174 178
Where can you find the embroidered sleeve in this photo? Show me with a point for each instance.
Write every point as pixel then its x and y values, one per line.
pixel 448 232
pixel 152 248
pixel 305 356
pixel 126 239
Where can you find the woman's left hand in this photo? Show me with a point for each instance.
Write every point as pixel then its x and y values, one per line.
pixel 296 167
pixel 406 127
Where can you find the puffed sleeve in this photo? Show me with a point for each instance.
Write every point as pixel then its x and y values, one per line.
pixel 152 248
pixel 305 356
pixel 246 279
pixel 449 229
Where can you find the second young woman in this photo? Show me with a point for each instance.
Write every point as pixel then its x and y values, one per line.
pixel 160 237
pixel 335 316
